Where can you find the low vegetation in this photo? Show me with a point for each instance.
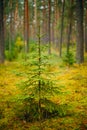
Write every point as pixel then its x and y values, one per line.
pixel 70 104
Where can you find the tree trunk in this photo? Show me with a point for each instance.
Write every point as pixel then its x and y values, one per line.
pixel 35 19
pixel 61 33
pixel 45 29
pixel 69 37
pixel 80 37
pixel 56 18
pixel 16 18
pixel 26 26
pixel 2 31
pixel 11 27
pixel 86 32
pixel 49 28
pixel 52 33
pixel 70 26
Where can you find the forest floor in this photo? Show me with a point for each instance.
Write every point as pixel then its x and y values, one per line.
pixel 73 99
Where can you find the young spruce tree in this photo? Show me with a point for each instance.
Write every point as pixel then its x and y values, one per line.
pixel 39 87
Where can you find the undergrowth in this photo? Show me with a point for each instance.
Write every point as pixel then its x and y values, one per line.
pixel 71 103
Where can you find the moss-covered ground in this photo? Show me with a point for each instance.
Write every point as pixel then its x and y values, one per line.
pixel 72 100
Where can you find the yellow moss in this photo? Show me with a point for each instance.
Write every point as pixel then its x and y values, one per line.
pixel 73 79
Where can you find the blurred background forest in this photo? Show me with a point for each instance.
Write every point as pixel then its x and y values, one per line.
pixel 62 24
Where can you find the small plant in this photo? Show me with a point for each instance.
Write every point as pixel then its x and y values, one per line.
pixel 69 59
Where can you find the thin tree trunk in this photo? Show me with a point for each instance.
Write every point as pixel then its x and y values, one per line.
pixel 49 28
pixel 35 18
pixel 86 32
pixel 2 49
pixel 56 17
pixel 5 21
pixel 69 37
pixel 26 26
pixel 62 24
pixel 44 31
pixel 16 16
pixel 80 37
pixel 52 33
pixel 70 26
pixel 11 28
pixel 39 74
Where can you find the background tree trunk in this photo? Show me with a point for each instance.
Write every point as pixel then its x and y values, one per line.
pixel 79 28
pixel 56 17
pixel 26 26
pixel 61 33
pixel 2 31
pixel 49 28
pixel 70 26
pixel 86 32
